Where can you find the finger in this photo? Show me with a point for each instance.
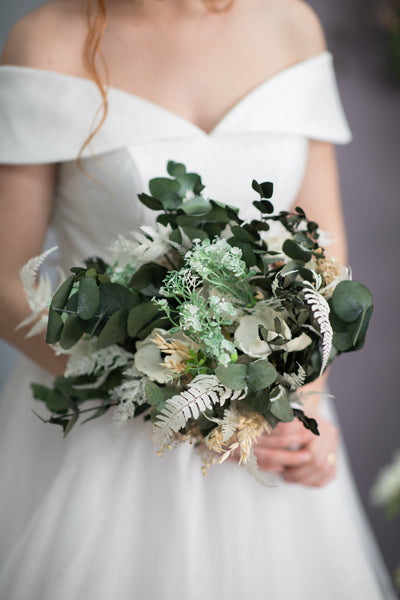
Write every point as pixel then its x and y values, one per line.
pixel 288 428
pixel 273 458
pixel 288 441
pixel 309 477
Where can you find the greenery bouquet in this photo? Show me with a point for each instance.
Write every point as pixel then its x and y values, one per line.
pixel 205 324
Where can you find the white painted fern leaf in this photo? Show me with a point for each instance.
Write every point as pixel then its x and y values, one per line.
pixel 85 360
pixel 295 380
pixel 37 294
pixel 203 392
pixel 320 309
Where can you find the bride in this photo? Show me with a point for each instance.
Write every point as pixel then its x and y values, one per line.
pixel 95 97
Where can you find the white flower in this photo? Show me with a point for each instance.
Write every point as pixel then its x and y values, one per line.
pixel 248 340
pixel 149 359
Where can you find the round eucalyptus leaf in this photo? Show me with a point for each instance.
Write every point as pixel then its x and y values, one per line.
pixel 242 235
pixel 55 325
pixel 88 298
pixel 141 316
pixel 194 233
pixel 150 202
pixel 175 169
pixel 73 329
pixel 114 296
pixel 349 300
pixel 295 251
pixel 161 186
pixel 232 376
pixel 114 331
pixel 261 374
pixel 280 407
pixel 197 206
pixel 154 394
pixel 61 296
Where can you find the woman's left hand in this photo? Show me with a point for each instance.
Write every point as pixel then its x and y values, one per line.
pixel 321 468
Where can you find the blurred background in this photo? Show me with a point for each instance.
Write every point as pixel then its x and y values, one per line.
pixel 365 384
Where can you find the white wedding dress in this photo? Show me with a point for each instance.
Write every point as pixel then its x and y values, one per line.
pixel 98 516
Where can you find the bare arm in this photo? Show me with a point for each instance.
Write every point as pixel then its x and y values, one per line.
pixel 26 194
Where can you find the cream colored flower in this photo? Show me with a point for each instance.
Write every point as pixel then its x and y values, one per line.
pixel 248 340
pixel 149 357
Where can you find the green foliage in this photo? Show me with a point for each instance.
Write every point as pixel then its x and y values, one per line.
pixel 203 294
pixel 351 309
pixel 257 375
pixel 88 298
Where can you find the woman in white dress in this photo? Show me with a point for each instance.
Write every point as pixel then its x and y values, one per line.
pixel 235 92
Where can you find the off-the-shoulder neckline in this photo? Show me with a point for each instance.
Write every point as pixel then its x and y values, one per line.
pixel 115 91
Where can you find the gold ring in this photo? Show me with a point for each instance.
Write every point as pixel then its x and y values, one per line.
pixel 332 458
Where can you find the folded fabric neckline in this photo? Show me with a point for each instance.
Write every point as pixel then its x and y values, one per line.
pixel 237 106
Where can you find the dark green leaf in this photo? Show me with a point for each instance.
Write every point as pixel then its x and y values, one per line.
pixel 197 206
pixel 114 331
pixel 280 407
pixel 293 250
pixel 190 182
pixel 264 189
pixel 88 298
pixel 40 392
pixel 55 325
pixel 61 296
pixel 241 235
pixel 57 402
pixel 308 422
pixel 195 233
pixel 73 329
pixel 261 374
pixel 154 394
pixel 349 300
pixel 114 296
pixel 70 424
pixel 148 278
pixel 141 316
pixel 232 376
pixel 150 202
pixel 264 206
pixel 175 169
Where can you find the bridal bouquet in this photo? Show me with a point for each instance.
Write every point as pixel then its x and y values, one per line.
pixel 205 324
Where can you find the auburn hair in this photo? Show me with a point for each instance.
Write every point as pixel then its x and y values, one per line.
pixel 93 59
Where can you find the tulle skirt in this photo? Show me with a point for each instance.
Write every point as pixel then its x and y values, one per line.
pixel 99 516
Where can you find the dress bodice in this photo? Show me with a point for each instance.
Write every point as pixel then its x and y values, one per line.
pixel 46 117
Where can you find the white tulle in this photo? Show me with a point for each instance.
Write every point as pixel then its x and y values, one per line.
pixel 99 516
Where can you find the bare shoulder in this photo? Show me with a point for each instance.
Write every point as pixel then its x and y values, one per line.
pixel 303 28
pixel 298 33
pixel 49 37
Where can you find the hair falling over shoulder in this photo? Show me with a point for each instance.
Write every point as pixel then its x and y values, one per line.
pixel 96 18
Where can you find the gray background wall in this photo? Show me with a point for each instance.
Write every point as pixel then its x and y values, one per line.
pixel 366 383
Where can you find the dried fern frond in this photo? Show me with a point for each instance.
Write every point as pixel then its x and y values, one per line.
pixel 203 392
pixel 320 309
pixel 37 294
pixel 295 380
